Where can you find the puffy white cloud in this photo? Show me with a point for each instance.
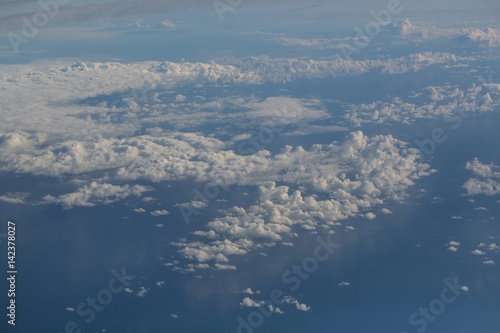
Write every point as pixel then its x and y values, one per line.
pixel 380 169
pixel 478 252
pixel 142 292
pixel 160 212
pixel 15 197
pixel 250 303
pixel 248 291
pixel 442 102
pixel 97 194
pixel 493 247
pixel 299 306
pixel 489 181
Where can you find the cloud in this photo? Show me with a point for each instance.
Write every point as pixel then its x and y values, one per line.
pixel 15 197
pixel 299 306
pixel 160 212
pixel 453 246
pixel 489 181
pixel 441 102
pixel 96 194
pixel 142 292
pixel 478 252
pixel 250 303
pixel 344 284
pixel 381 169
pixel 248 291
pixel 493 247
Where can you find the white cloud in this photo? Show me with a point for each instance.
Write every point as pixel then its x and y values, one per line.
pixel 370 215
pixel 224 267
pixel 441 102
pixel 381 168
pixel 489 181
pixel 250 303
pixel 344 284
pixel 493 247
pixel 489 262
pixel 160 212
pixel 385 211
pixel 248 291
pixel 15 198
pixel 96 194
pixel 478 252
pixel 142 292
pixel 299 306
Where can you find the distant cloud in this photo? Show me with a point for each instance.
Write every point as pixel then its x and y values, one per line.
pixel 488 183
pixel 142 292
pixel 96 194
pixel 15 198
pixel 160 212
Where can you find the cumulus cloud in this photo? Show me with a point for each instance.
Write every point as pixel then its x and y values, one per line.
pixel 487 181
pixel 248 291
pixel 15 197
pixel 381 168
pixel 248 302
pixel 442 102
pixel 160 212
pixel 97 194
pixel 142 292
pixel 299 306
pixel 453 246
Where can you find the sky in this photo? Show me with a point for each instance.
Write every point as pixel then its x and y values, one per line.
pixel 250 166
